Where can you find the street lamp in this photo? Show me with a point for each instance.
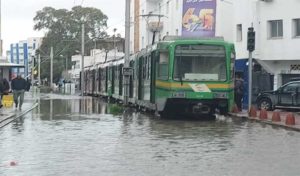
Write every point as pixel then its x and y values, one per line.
pixel 115 43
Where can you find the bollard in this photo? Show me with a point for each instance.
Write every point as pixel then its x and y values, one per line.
pixel 252 112
pixel 290 119
pixel 276 116
pixel 263 115
pixel 235 109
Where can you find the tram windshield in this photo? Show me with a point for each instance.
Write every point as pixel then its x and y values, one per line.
pixel 200 63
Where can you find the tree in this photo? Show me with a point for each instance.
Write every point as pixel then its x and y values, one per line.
pixel 63 32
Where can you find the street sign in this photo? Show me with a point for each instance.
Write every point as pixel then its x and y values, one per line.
pixel 127 71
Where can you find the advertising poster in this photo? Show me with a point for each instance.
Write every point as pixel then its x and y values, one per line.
pixel 199 18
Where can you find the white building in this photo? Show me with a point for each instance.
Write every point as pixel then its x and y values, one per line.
pixel 22 53
pixel 276 23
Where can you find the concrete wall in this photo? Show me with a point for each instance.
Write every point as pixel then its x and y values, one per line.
pixel 286 48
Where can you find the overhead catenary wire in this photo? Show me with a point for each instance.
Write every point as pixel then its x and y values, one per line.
pixel 81 2
pixel 122 21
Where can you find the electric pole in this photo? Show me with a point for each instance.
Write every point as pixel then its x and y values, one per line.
pixel 1 43
pixel 250 48
pixel 82 60
pixel 127 71
pixel 39 68
pixel 115 52
pixel 51 67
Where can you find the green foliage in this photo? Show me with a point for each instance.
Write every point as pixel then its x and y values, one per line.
pixel 115 109
pixel 63 32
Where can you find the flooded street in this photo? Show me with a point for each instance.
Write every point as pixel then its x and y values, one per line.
pixel 81 137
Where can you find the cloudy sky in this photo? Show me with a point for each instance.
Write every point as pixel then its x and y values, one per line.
pixel 17 16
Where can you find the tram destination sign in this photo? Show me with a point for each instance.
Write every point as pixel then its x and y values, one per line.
pixel 127 71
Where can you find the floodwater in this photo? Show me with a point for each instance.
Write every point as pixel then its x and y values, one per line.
pixel 73 136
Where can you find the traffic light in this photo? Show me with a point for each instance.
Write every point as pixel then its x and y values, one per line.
pixel 251 39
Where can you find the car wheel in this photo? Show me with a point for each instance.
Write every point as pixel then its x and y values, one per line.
pixel 265 104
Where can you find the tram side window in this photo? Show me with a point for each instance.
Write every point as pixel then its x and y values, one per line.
pixel 163 66
pixel 132 66
pixel 144 67
pixel 149 67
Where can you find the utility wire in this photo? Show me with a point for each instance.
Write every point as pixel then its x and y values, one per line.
pixel 81 2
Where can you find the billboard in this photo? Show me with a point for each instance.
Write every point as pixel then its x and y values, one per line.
pixel 199 18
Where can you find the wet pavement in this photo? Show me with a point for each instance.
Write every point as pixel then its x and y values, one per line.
pixel 70 135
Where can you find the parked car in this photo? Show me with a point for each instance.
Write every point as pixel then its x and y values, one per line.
pixel 286 96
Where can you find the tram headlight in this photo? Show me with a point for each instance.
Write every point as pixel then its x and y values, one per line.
pixel 220 95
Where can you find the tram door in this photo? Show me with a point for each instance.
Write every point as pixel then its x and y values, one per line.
pixel 131 82
pixel 99 80
pixel 120 80
pixel 140 79
pixel 106 80
pixel 154 55
pixel 147 77
pixel 116 80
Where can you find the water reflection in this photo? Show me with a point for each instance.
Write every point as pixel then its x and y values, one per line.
pixel 50 109
pixel 78 137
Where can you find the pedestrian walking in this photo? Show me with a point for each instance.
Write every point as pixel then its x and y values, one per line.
pixel 6 86
pixel 28 84
pixel 18 86
pixel 238 91
pixel 1 93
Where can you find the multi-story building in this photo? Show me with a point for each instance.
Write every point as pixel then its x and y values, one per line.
pixel 276 23
pixel 277 27
pixel 22 53
pixel 188 18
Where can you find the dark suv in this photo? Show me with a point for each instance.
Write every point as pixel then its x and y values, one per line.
pixel 286 96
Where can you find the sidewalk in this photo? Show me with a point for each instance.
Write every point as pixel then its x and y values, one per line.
pixel 9 114
pixel 268 119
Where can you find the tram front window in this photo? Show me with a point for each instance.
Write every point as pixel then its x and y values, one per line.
pixel 200 63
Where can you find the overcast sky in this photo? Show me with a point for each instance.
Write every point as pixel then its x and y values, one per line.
pixel 17 16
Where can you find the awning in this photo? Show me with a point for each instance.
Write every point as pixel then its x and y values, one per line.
pixel 5 63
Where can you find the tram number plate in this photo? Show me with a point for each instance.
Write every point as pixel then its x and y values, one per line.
pixel 179 94
pixel 127 71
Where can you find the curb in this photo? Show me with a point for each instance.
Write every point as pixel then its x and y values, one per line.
pixel 16 116
pixel 269 122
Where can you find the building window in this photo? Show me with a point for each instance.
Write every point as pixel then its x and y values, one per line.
pixel 167 8
pixel 239 33
pixel 159 8
pixel 177 4
pixel 276 29
pixel 296 27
